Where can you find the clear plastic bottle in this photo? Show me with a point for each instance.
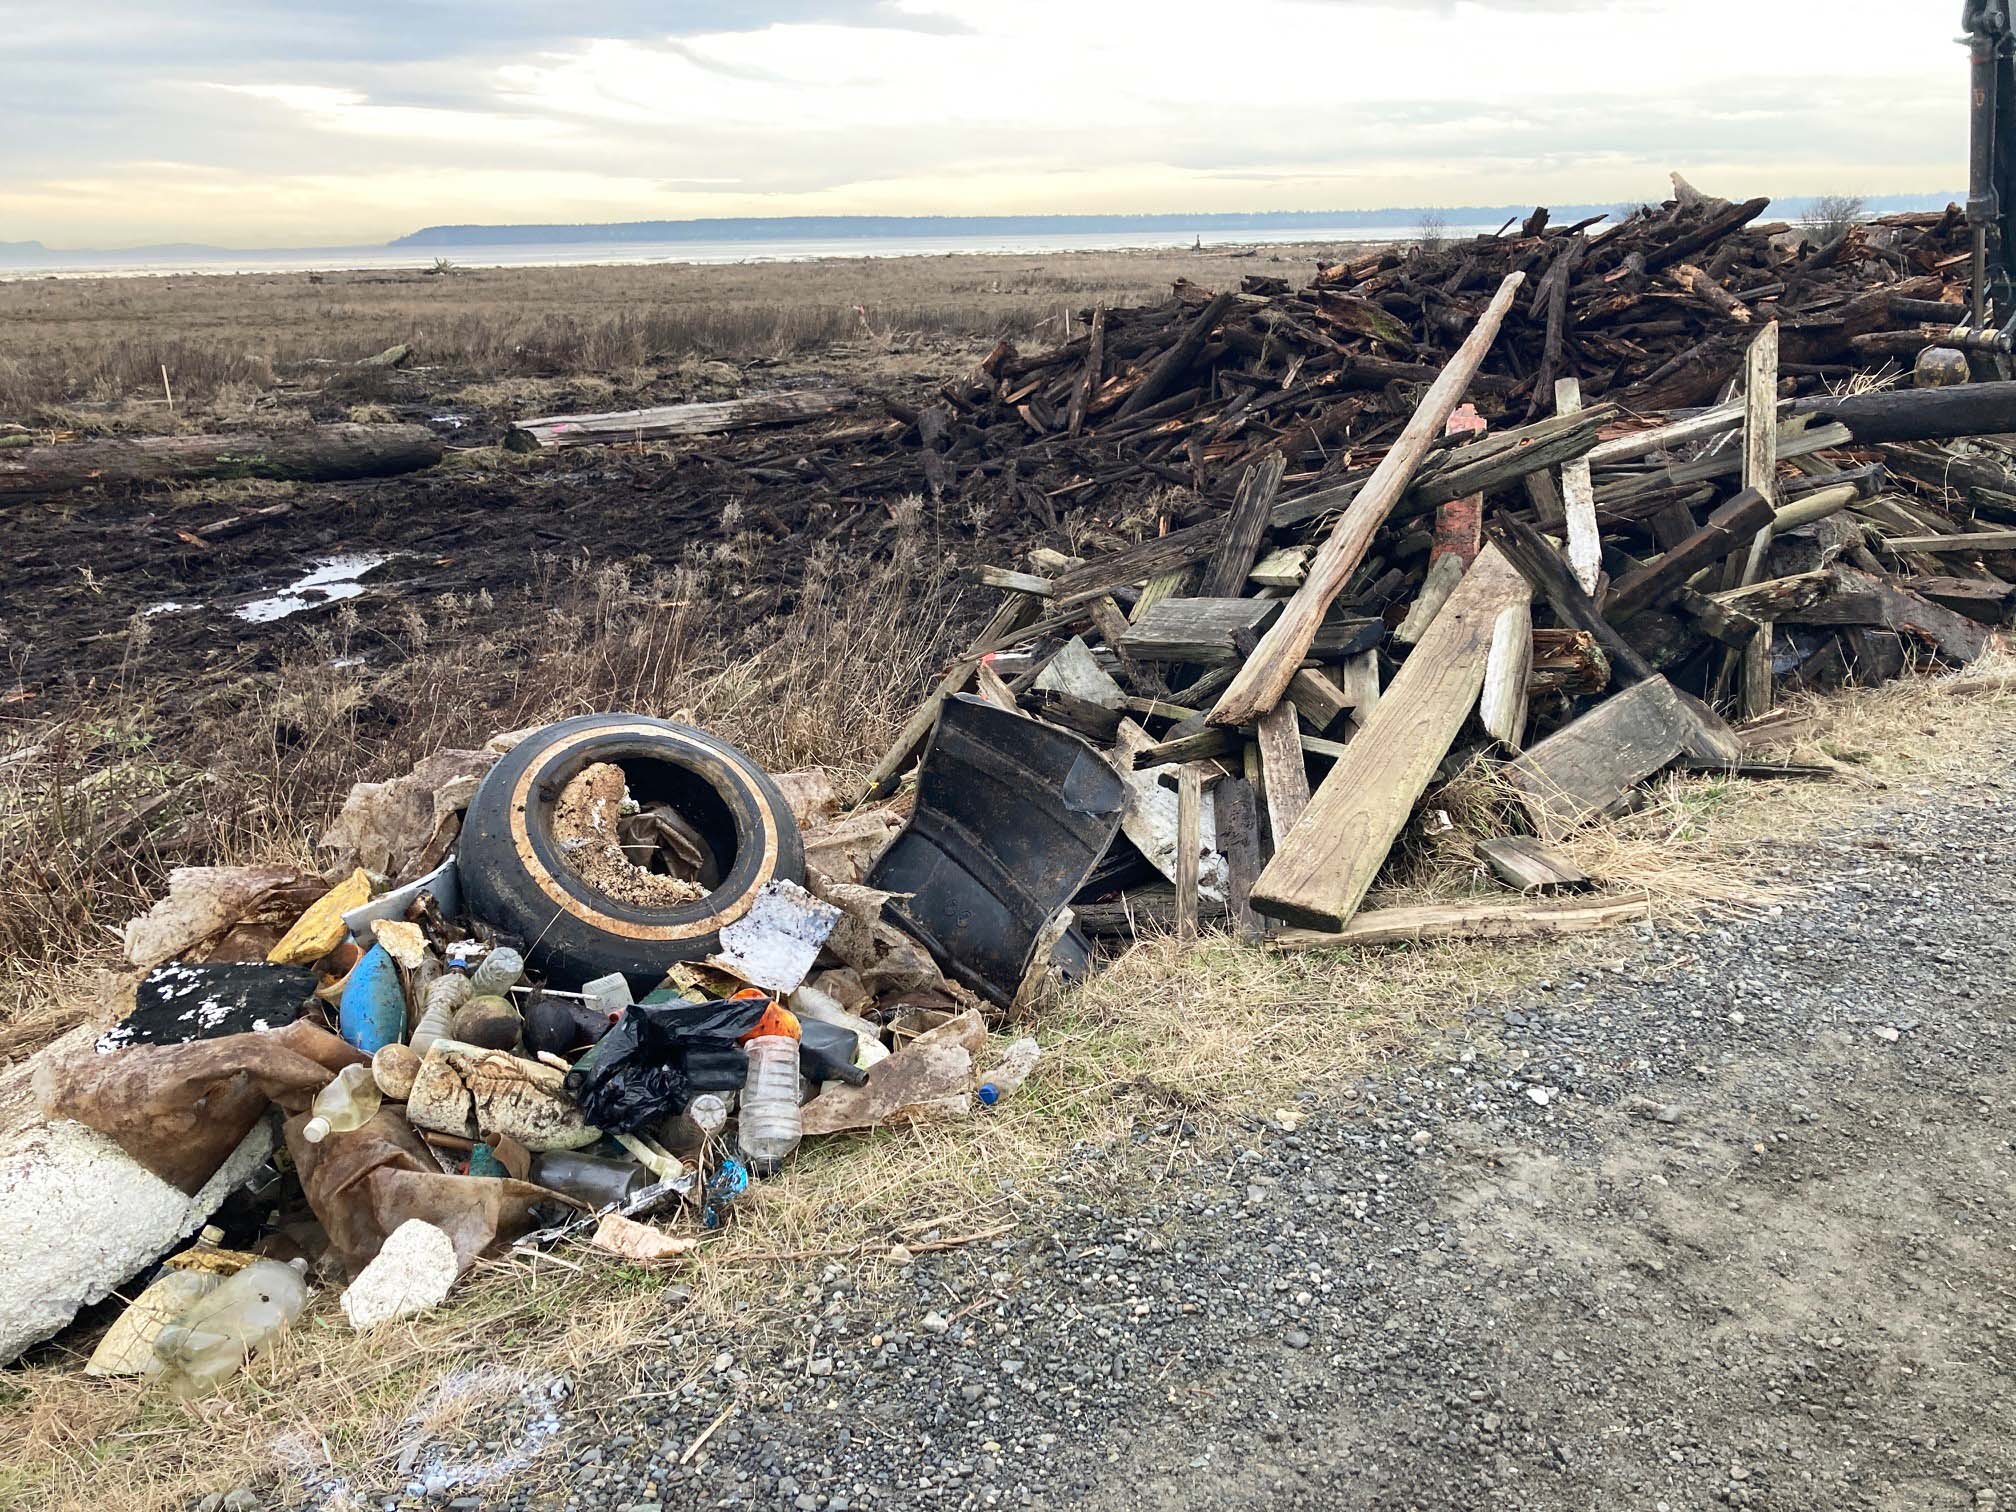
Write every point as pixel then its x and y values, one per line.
pixel 498 973
pixel 346 1103
pixel 437 1019
pixel 217 1334
pixel 771 1123
pixel 705 1117
pixel 1016 1063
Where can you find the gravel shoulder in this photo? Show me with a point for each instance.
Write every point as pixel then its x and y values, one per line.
pixel 1712 1218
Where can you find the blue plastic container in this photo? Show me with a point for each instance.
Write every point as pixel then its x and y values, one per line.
pixel 372 1013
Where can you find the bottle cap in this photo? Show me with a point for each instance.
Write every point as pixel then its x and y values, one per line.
pixel 316 1129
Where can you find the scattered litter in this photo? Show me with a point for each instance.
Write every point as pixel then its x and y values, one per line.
pixel 412 1273
pixel 624 1237
pixel 330 580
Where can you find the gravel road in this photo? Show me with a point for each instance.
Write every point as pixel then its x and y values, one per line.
pixel 1719 1219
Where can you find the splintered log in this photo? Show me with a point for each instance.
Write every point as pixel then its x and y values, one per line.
pixel 1261 683
pixel 1322 868
pixel 1088 381
pixel 674 420
pixel 1530 919
pixel 1591 767
pixel 321 454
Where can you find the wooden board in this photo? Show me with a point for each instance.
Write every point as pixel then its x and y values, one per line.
pixel 1578 501
pixel 1973 540
pixel 665 421
pixel 1531 866
pixel 1323 868
pixel 1200 630
pixel 1501 707
pixel 1592 766
pixel 1452 921
pixel 1284 775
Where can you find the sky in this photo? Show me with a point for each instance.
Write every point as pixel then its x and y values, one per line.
pixel 337 122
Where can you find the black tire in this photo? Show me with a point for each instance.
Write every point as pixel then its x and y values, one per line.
pixel 514 877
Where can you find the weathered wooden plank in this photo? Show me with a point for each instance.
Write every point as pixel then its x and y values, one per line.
pixel 1971 540
pixel 1501 707
pixel 1475 921
pixel 1189 841
pixel 1284 776
pixel 1531 866
pixel 1226 572
pixel 1444 573
pixel 1578 501
pixel 1723 532
pixel 1590 767
pixel 1260 684
pixel 1237 812
pixel 1459 522
pixel 1532 554
pixel 1322 869
pixel 1318 698
pixel 1200 630
pixel 1088 381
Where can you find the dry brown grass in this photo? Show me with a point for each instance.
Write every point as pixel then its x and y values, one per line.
pixel 226 339
pixel 1208 1037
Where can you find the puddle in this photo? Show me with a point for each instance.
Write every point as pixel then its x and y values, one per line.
pixel 329 579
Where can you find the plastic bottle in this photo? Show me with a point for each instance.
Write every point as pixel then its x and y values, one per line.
pixel 771 1123
pixel 499 972
pixel 1016 1063
pixel 705 1117
pixel 437 1021
pixel 607 995
pixel 346 1103
pixel 372 1010
pixel 217 1334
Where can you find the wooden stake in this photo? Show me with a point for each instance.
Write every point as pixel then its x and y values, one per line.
pixel 1261 683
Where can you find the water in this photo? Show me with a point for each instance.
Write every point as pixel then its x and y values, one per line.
pixel 573 254
pixel 329 579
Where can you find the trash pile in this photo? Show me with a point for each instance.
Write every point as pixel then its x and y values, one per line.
pixel 583 985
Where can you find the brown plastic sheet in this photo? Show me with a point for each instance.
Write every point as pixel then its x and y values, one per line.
pixel 180 1109
pixel 931 1077
pixel 365 1183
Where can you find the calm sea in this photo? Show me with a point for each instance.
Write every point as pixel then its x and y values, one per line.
pixel 337 259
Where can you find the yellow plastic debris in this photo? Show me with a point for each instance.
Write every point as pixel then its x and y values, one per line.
pixel 321 929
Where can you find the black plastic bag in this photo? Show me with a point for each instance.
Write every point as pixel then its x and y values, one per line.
pixel 658 1055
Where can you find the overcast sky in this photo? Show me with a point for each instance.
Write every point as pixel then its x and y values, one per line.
pixel 344 121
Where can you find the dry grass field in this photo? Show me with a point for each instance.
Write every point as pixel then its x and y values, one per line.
pixel 227 743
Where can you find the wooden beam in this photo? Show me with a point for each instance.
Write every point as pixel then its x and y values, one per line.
pixel 1265 677
pixel 1971 540
pixel 1088 381
pixel 1723 532
pixel 1323 868
pixel 1470 921
pixel 1542 566
pixel 1459 523
pixel 1760 439
pixel 1170 366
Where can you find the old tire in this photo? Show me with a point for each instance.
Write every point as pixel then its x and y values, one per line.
pixel 515 878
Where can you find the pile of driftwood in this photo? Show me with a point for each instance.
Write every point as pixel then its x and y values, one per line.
pixel 1564 573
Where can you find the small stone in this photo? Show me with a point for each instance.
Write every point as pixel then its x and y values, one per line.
pixel 240 1500
pixel 1297 1339
pixel 936 1322
pixel 1886 1034
pixel 211 1503
pixel 1540 1095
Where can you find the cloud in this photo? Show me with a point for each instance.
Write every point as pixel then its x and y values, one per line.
pixel 359 119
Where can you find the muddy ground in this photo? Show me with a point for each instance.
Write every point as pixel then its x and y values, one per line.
pixel 1711 1218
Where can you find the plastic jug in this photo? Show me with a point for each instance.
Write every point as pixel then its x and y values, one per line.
pixel 771 1123
pixel 217 1334
pixel 705 1117
pixel 346 1103
pixel 1016 1063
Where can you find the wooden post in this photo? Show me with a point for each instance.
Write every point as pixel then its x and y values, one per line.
pixel 1261 683
pixel 1189 841
pixel 1578 501
pixel 1760 438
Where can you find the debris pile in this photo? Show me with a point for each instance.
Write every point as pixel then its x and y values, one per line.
pixel 368 1079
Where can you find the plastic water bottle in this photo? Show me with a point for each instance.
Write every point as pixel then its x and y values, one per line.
pixel 607 995
pixel 217 1334
pixel 771 1124
pixel 1016 1063
pixel 499 972
pixel 705 1116
pixel 346 1103
pixel 437 1020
